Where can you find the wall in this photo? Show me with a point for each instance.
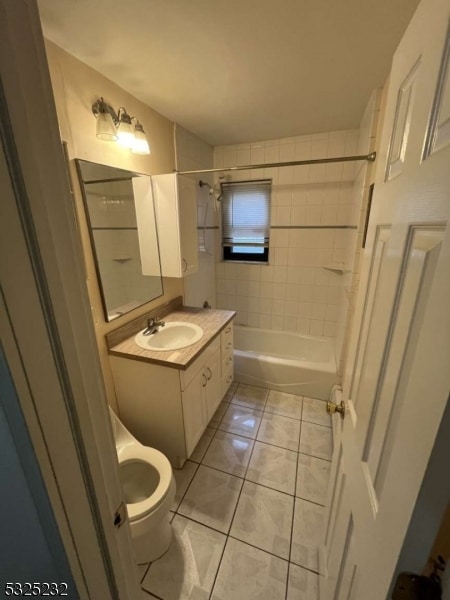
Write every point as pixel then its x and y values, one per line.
pixel 314 219
pixel 361 190
pixel 368 141
pixel 191 154
pixel 76 87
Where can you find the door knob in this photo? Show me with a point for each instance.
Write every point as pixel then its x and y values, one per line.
pixel 336 408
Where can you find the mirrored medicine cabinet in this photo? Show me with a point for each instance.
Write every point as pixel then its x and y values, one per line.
pixel 123 233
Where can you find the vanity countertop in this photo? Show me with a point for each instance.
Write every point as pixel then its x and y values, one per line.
pixel 211 320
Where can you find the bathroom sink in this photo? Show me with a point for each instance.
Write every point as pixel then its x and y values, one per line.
pixel 173 336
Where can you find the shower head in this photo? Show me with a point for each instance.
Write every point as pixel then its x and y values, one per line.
pixel 205 184
pixel 211 190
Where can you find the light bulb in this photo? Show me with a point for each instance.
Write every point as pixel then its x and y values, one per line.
pixel 125 132
pixel 106 130
pixel 140 143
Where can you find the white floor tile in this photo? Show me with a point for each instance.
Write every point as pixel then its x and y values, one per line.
pixel 284 404
pixel 183 478
pixel 230 392
pixel 241 420
pixel 229 452
pixel 254 564
pixel 188 568
pixel 307 534
pixel 264 519
pixel 302 584
pixel 315 411
pixel 279 431
pixel 312 478
pixel 316 440
pixel 212 498
pixel 202 446
pixel 248 573
pixel 250 396
pixel 274 467
pixel 217 416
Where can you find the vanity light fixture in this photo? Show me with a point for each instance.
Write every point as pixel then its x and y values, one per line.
pixel 112 126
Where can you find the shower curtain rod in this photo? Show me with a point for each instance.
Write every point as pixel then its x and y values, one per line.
pixel 314 161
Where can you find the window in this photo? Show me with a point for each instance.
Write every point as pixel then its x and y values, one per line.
pixel 245 220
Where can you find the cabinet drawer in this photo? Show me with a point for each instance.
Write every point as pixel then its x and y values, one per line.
pixel 227 337
pixel 188 375
pixel 227 360
pixel 227 380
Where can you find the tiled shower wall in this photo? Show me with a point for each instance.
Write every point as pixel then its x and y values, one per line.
pixel 313 226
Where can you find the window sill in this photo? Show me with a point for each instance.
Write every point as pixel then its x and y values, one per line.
pixel 244 262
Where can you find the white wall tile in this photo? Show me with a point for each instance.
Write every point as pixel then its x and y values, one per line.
pixel 265 306
pixel 298 215
pixel 318 310
pixel 302 150
pixel 304 310
pixel 316 327
pixel 279 290
pixel 242 288
pixel 266 273
pixel 303 325
pixel 294 292
pixel 253 319
pixel 266 289
pixel 278 306
pixel 243 157
pixel 254 304
pixel 254 289
pixel 272 154
pixel 257 155
pixel 277 322
pixel 313 215
pixel 287 153
pixel 301 174
pixel 290 324
pixel 254 272
pixel 320 293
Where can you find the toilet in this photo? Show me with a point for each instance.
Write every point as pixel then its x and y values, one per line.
pixel 149 491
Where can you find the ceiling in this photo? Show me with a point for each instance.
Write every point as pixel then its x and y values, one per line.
pixel 235 71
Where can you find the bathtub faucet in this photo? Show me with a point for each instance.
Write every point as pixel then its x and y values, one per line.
pixel 153 326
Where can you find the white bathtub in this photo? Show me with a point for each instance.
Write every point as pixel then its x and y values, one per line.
pixel 288 362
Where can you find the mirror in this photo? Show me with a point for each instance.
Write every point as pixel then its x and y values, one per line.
pixel 112 198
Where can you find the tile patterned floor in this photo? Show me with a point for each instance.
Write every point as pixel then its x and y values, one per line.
pixel 248 511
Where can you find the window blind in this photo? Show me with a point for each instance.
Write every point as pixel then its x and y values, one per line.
pixel 246 214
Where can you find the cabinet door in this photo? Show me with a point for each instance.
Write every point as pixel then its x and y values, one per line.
pixel 194 410
pixel 214 387
pixel 176 215
pixel 187 209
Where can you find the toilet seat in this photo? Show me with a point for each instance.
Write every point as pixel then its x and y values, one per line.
pixel 155 458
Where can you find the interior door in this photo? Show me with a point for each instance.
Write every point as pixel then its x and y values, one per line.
pixel 400 378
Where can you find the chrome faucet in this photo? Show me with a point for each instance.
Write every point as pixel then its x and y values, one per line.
pixel 153 326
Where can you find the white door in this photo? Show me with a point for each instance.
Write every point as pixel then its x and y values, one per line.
pixel 400 378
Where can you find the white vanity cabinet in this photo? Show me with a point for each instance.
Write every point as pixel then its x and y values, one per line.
pixel 201 393
pixel 175 198
pixel 169 408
